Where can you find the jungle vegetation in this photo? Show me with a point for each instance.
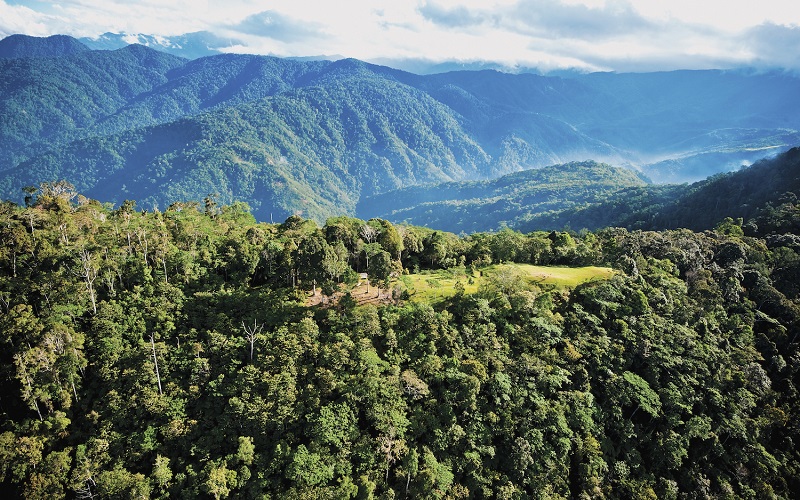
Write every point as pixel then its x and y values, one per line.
pixel 156 354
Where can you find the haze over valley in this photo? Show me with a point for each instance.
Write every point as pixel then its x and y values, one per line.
pixel 316 137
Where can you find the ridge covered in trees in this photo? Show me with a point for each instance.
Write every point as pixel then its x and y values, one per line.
pixel 155 354
pixel 592 195
pixel 317 137
pixel 535 197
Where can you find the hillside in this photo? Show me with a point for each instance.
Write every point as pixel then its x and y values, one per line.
pixel 109 120
pixel 761 195
pixel 747 193
pixel 281 155
pixel 173 353
pixel 47 102
pixel 588 195
pixel 25 46
pixel 509 200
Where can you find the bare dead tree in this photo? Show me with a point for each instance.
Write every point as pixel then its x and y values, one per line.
pixel 369 233
pixel 250 333
pixel 141 234
pixel 86 490
pixel 88 271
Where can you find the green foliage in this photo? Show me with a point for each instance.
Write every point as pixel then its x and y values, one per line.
pixel 591 195
pixel 322 138
pixel 526 200
pixel 168 354
pixel 723 200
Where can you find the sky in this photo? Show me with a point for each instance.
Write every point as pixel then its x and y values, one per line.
pixel 586 35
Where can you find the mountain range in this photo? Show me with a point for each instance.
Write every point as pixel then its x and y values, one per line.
pixel 591 195
pixel 321 138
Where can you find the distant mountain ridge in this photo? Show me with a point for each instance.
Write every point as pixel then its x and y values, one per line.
pixel 315 136
pixel 511 200
pixel 591 195
pixel 23 46
pixel 47 102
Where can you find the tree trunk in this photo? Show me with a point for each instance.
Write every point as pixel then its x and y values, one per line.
pixel 33 398
pixel 155 362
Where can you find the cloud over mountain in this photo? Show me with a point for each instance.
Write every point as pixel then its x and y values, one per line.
pixel 589 35
pixel 273 24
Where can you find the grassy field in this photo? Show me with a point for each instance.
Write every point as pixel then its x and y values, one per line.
pixel 438 285
pixel 435 286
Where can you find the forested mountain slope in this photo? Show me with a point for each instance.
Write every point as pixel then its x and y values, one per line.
pixel 509 200
pixel 761 194
pixel 86 116
pixel 46 102
pixel 588 195
pixel 24 46
pixel 172 353
pixel 313 151
pixel 745 193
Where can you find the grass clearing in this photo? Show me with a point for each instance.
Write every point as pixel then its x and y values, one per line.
pixel 434 286
pixel 562 277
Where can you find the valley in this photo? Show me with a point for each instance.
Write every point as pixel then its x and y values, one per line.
pixel 318 138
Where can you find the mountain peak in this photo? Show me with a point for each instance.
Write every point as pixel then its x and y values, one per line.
pixel 148 56
pixel 24 46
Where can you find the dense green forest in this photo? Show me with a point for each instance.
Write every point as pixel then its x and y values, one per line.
pixel 591 195
pixel 155 354
pixel 542 198
pixel 318 137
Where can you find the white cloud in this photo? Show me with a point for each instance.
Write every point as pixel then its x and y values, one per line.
pixel 22 19
pixel 773 45
pixel 727 15
pixel 618 35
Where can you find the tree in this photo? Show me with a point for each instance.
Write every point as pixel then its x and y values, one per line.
pixel 412 242
pixel 410 467
pixel 308 469
pixel 390 239
pixel 155 362
pixel 162 475
pixel 508 246
pixel 381 268
pixel 335 261
pixel 368 233
pixel 436 248
pixel 119 481
pixel 637 391
pixel 87 270
pixel 219 480
pixel 314 260
pixel 730 227
pixel 14 241
pixel 539 247
pixel 252 333
pixel 29 192
pixel 563 246
pixel 55 195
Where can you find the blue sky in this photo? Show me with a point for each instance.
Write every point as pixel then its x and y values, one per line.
pixel 592 35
